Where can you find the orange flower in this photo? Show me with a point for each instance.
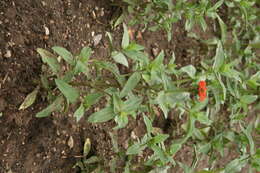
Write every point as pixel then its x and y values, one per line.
pixel 202 91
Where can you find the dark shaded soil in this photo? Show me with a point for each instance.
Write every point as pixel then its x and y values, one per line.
pixel 28 144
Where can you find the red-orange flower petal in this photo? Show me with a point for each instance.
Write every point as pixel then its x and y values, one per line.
pixel 202 91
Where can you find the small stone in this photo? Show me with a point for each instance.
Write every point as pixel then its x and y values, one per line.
pixel 44 3
pixel 8 54
pixel 71 142
pixel 133 135
pixel 155 51
pixel 102 13
pixel 97 39
pixel 47 31
pixel 94 15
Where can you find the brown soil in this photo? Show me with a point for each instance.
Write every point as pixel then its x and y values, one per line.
pixel 28 144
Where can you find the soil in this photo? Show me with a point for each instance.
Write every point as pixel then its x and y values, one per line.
pixel 29 144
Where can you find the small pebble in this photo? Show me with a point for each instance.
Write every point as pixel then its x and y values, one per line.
pixel 97 39
pixel 44 3
pixel 71 142
pixel 8 54
pixel 102 13
pixel 155 51
pixel 94 14
pixel 47 31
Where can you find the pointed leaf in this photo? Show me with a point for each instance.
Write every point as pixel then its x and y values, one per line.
pixel 64 53
pixel 248 99
pixel 135 149
pixel 92 99
pixel 132 104
pixel 55 106
pixel 30 99
pixel 103 115
pixel 50 59
pixel 130 84
pixel 120 58
pixel 85 54
pixel 79 112
pixel 87 147
pixel 148 124
pixel 219 57
pixel 68 91
pixel 223 28
pixel 190 70
pixel 125 40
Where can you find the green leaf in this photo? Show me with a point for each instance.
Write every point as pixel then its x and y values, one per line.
pixel 92 99
pixel 203 23
pixel 68 91
pixel 202 118
pixel 248 99
pixel 159 152
pixel 112 68
pixel 103 115
pixel 85 54
pixel 248 132
pixel 135 149
pixel 175 147
pixel 80 68
pixel 134 47
pixel 55 106
pixel 79 112
pixel 235 165
pixel 50 59
pixel 159 138
pixel 91 160
pixel 148 124
pixel 219 57
pixel 190 70
pixel 158 62
pixel 120 58
pixel 30 99
pixel 68 76
pixel 204 148
pixel 121 120
pixel 223 28
pixel 64 53
pixel 117 104
pixel 87 147
pixel 163 103
pixel 110 39
pixel 132 104
pixel 217 5
pixel 130 84
pixel 125 40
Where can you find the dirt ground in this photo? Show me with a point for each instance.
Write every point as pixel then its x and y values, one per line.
pixel 28 144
